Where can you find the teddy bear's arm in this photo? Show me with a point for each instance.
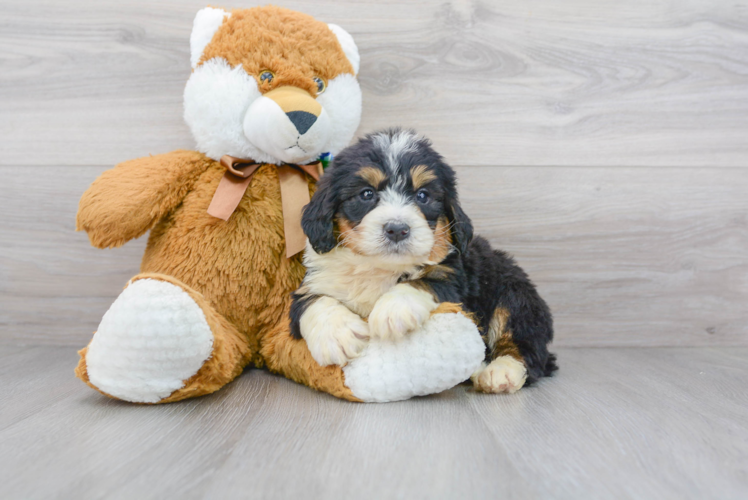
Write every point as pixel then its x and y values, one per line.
pixel 126 201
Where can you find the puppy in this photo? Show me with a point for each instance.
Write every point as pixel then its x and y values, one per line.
pixel 388 241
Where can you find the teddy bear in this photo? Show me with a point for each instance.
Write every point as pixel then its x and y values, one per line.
pixel 272 95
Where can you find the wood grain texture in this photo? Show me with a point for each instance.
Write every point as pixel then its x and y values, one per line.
pixel 603 83
pixel 625 257
pixel 614 423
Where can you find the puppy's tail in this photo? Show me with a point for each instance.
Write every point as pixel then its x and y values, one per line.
pixel 550 365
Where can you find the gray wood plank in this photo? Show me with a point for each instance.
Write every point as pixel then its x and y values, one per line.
pixel 613 423
pixel 509 83
pixel 26 392
pixel 625 257
pixel 631 423
pixel 259 430
pixel 435 448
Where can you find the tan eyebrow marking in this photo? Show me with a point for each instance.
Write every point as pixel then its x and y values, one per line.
pixel 372 175
pixel 421 175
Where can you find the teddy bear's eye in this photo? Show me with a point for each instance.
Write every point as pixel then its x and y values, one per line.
pixel 266 76
pixel 321 85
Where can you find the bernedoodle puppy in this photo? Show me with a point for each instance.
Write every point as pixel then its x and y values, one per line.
pixel 388 242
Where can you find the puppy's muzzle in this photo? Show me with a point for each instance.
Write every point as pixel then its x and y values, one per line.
pixel 396 231
pixel 301 108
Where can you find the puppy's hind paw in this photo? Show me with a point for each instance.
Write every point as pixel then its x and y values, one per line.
pixel 504 374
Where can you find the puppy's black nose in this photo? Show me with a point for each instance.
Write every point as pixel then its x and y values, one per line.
pixel 302 120
pixel 396 231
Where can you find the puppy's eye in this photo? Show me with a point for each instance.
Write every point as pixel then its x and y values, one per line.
pixel 266 76
pixel 422 196
pixel 367 194
pixel 321 85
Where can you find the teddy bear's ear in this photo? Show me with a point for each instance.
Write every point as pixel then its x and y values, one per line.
pixel 349 46
pixel 207 22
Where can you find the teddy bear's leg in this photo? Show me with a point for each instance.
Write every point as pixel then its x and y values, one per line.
pixel 387 370
pixel 440 354
pixel 161 341
pixel 291 358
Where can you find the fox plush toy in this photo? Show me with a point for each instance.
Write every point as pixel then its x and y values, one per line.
pixel 272 92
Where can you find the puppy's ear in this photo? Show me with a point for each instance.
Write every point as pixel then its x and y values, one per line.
pixel 462 227
pixel 317 220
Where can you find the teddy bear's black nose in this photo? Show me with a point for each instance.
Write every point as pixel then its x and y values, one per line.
pixel 396 231
pixel 302 120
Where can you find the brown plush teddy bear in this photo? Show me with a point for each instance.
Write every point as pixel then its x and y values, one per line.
pixel 272 92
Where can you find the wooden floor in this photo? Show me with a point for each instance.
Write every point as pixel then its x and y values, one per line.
pixel 614 423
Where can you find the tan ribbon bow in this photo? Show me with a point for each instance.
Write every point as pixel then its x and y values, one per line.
pixel 294 194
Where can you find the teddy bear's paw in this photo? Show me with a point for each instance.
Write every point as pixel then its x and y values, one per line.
pixel 434 358
pixel 151 340
pixel 400 311
pixel 333 334
pixel 504 374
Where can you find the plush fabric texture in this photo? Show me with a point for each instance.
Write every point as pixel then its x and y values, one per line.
pixel 443 353
pixel 216 100
pixel 229 354
pixel 238 267
pixel 296 46
pixel 158 335
pixel 125 202
pixel 291 358
pixel 207 21
pixel 210 291
pixel 348 46
pixel 223 98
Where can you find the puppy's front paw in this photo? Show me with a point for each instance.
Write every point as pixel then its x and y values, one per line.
pixel 504 374
pixel 333 334
pixel 399 311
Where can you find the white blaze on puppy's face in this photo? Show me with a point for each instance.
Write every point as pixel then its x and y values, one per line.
pixel 395 146
pixel 395 207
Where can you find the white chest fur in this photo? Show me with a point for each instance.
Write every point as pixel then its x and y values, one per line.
pixel 354 280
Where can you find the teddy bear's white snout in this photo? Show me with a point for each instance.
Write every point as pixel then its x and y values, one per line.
pixel 288 124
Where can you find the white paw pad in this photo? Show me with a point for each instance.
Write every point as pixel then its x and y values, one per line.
pixel 152 339
pixel 504 374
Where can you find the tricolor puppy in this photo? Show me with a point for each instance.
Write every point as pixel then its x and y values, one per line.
pixel 388 241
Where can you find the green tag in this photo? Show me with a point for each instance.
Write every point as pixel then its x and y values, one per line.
pixel 326 159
